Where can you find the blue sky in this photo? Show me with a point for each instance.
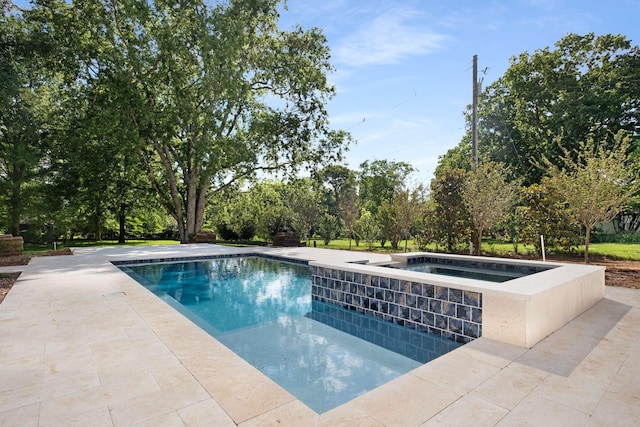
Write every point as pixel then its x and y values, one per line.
pixel 404 68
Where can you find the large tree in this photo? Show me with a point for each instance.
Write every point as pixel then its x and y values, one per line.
pixel 587 87
pixel 337 180
pixel 488 197
pixel 596 183
pixel 303 198
pixel 543 212
pixel 397 217
pixel 28 104
pixel 95 171
pixel 217 92
pixel 448 219
pixel 379 180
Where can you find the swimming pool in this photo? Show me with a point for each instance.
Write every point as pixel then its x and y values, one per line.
pixel 262 309
pixel 478 269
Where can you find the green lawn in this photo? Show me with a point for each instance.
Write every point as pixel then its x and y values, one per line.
pixel 35 249
pixel 629 251
pixel 489 247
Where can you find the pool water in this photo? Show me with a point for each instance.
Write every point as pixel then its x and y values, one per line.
pixel 262 310
pixel 470 273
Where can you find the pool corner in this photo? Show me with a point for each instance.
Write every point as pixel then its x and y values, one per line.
pixel 533 307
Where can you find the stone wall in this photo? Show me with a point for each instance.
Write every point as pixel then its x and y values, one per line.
pixel 286 240
pixel 11 246
pixel 203 237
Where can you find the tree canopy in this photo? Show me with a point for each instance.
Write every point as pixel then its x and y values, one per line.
pixel 204 94
pixel 585 87
pixel 379 180
pixel 597 184
pixel 224 93
pixel 488 197
pixel 536 118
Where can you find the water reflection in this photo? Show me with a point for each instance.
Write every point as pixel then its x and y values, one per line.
pixel 262 310
pixel 233 293
pixel 320 365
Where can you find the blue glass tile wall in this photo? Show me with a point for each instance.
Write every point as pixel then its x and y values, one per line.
pixel 447 312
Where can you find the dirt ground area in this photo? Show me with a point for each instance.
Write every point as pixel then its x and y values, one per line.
pixel 618 273
pixel 621 273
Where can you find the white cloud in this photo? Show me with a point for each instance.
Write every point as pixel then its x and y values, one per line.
pixel 389 38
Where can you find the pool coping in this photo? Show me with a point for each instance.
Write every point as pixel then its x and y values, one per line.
pixel 115 372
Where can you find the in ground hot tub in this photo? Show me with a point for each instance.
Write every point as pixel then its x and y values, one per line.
pixel 537 299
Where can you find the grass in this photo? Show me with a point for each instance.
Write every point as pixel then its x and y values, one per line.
pixel 625 251
pixel 630 251
pixel 33 249
pixel 344 244
pixel 489 247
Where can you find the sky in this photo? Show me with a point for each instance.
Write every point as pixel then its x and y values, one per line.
pixel 403 68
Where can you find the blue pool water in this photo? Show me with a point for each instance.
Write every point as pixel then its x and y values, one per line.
pixel 471 273
pixel 262 310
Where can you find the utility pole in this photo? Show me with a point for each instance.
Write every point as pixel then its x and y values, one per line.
pixel 474 132
pixel 474 114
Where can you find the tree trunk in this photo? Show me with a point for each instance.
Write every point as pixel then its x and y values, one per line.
pixel 15 210
pixel 182 231
pixel 15 179
pixel 201 202
pixel 122 218
pixel 587 237
pixel 98 224
pixel 192 186
pixel 176 199
pixel 478 242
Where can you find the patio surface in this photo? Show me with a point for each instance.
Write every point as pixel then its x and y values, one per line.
pixel 83 344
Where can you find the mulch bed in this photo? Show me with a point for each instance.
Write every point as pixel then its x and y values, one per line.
pixel 6 282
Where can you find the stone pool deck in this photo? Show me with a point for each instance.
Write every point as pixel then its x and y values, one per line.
pixel 83 344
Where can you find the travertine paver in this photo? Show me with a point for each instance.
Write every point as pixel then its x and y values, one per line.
pixel 83 344
pixel 204 414
pixel 407 400
pixel 459 373
pixel 509 386
pixel 468 409
pixel 292 414
pixel 537 412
